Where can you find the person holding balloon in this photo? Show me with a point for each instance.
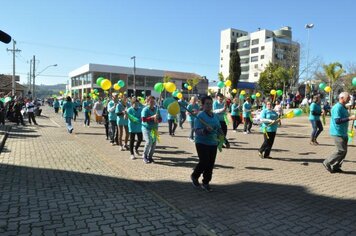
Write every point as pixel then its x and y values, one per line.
pixel 235 114
pixel 219 108
pixel 314 118
pixel 207 127
pixel 150 117
pixel 269 127
pixel 112 117
pixel 339 123
pixel 172 123
pixel 183 104
pixel 246 113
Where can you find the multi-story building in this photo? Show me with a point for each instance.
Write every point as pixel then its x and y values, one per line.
pixel 84 79
pixel 256 50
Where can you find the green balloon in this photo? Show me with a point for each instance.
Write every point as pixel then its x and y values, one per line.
pixel 279 92
pixel 221 84
pixel 354 81
pixel 8 99
pixel 242 97
pixel 159 87
pixel 121 83
pixel 98 80
pixel 175 93
pixel 322 86
pixel 253 96
pixel 298 112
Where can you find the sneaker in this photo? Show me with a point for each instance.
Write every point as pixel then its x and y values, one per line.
pixel 137 153
pixel 113 144
pixel 235 131
pixel 195 182
pixel 151 160
pixel 127 147
pixel 245 132
pixel 122 148
pixel 71 131
pixel 249 131
pixel 132 157
pixel 206 187
pixel 260 154
pixel 191 140
pixel 337 169
pixel 145 160
pixel 328 167
pixel 227 145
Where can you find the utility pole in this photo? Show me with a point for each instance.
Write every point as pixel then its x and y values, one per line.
pixel 33 77
pixel 14 51
pixel 30 78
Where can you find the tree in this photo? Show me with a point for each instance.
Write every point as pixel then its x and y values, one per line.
pixel 234 69
pixel 333 71
pixel 275 77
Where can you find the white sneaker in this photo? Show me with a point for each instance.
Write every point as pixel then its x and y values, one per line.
pixel 122 148
pixel 245 132
pixel 132 157
pixel 234 131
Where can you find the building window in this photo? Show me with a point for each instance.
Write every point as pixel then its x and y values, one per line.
pixel 262 56
pixel 255 58
pixel 244 60
pixel 221 66
pixel 262 48
pixel 255 74
pixel 221 59
pixel 254 50
pixel 233 33
pixel 256 66
pixel 227 46
pixel 254 41
pixel 222 51
pixel 244 68
pixel 244 53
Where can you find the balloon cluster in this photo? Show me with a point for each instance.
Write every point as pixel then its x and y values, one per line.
pixel 354 81
pixel 323 86
pixel 187 86
pixel 222 84
pixel 276 92
pixel 171 105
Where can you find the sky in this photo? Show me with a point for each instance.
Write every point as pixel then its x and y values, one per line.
pixel 175 35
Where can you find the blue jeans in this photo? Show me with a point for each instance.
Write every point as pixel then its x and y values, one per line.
pixel 112 130
pixel 182 118
pixel 317 129
pixel 87 118
pixel 69 123
pixel 150 144
pixel 191 136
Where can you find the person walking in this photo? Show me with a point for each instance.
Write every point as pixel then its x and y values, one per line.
pixel 98 111
pixel 172 124
pixel 339 122
pixel 192 111
pixel 68 112
pixel 2 109
pixel 30 107
pixel 269 127
pixel 150 117
pixel 183 104
pixel 246 113
pixel 18 105
pixel 56 105
pixel 88 106
pixel 314 118
pixel 135 127
pixel 235 114
pixel 122 123
pixel 207 127
pixel 220 108
pixel 112 117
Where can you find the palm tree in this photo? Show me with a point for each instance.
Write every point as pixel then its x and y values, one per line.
pixel 333 71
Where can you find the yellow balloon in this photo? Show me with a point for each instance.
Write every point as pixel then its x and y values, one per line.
pixel 116 87
pixel 105 84
pixel 273 92
pixel 190 88
pixel 290 115
pixel 327 89
pixel 179 95
pixel 234 91
pixel 170 87
pixel 243 92
pixel 173 108
pixel 258 95
pixel 228 83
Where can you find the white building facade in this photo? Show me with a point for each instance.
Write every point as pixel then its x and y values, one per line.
pixel 83 80
pixel 257 49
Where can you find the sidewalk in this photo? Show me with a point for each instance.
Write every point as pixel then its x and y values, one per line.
pixel 57 183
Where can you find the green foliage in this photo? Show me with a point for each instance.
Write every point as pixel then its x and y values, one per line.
pixel 305 109
pixel 221 77
pixel 166 79
pixel 234 69
pixel 274 77
pixel 333 71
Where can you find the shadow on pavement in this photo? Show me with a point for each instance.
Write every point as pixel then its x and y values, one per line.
pixel 189 162
pixel 44 201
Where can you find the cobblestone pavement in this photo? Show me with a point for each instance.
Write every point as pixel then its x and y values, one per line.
pixel 55 183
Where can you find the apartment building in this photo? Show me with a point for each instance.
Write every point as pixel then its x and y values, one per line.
pixel 256 50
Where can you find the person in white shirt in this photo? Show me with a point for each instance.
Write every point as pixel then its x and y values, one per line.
pixel 30 112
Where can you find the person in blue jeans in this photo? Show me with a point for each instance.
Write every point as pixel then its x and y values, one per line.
pixel 150 117
pixel 220 108
pixel 183 104
pixel 314 118
pixel 112 117
pixel 269 127
pixel 87 106
pixel 207 127
pixel 135 127
pixel 339 123
pixel 68 112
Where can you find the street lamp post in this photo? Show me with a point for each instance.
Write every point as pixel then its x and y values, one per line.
pixel 134 75
pixel 308 27
pixel 34 77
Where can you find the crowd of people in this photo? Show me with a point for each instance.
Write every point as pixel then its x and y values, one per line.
pixel 129 121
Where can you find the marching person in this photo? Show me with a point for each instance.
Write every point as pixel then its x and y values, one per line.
pixel 314 118
pixel 112 117
pixel 68 112
pixel 150 117
pixel 122 123
pixel 30 112
pixel 192 111
pixel 220 108
pixel 269 127
pixel 246 113
pixel 88 106
pixel 235 114
pixel 207 126
pixel 339 122
pixel 135 127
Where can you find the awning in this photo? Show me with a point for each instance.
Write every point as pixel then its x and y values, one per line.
pixel 246 85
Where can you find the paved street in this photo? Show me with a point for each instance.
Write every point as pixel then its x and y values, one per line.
pixel 55 183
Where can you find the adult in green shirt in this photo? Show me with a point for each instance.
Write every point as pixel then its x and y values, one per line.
pixel 314 118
